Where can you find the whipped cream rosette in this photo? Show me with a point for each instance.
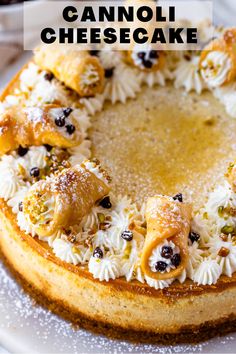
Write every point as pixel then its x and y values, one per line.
pixel 63 200
pixel 51 124
pixel 218 60
pixel 165 252
pixel 77 69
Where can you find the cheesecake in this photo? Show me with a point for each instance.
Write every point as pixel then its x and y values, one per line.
pixel 117 189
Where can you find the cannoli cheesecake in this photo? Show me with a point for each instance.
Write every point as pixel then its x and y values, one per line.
pixel 118 187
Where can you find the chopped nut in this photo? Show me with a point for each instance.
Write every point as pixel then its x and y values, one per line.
pixel 228 229
pixel 75 250
pixel 101 217
pixel 223 252
pixel 224 237
pixel 71 238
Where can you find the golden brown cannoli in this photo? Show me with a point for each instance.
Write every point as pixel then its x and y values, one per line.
pixel 62 201
pixel 77 69
pixel 165 251
pixel 146 56
pixel 50 124
pixel 218 60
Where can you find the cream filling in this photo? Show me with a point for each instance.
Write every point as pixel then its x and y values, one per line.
pixel 145 49
pixel 90 77
pixel 44 213
pixel 157 257
pixel 215 68
pixel 94 168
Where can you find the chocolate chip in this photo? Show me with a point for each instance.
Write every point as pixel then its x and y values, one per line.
pixel 109 73
pixel 176 259
pixel 178 197
pixel 94 52
pixel 166 252
pixel 187 57
pixel 48 76
pixel 34 172
pixel 153 54
pixel 22 151
pixel 67 111
pixel 141 55
pixel 20 206
pixel 160 266
pixel 147 64
pixel 70 128
pixel 193 236
pixel 60 121
pixel 127 235
pixel 106 203
pixel 97 253
pixel 48 147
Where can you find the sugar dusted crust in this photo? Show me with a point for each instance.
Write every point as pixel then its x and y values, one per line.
pixel 180 313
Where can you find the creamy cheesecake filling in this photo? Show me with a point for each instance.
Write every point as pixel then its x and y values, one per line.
pixel 110 239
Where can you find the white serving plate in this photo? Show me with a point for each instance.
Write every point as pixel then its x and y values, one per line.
pixel 28 328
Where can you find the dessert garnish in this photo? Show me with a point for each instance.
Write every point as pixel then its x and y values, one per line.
pixel 84 73
pixel 194 236
pixel 70 128
pixel 62 200
pixel 178 197
pixel 35 172
pixel 223 252
pixel 166 252
pixel 97 253
pixel 146 58
pixel 109 73
pixel 160 266
pixel 37 126
pixel 168 224
pixel 48 76
pixel 217 61
pixel 106 203
pixel 22 151
pixel 176 260
pixel 127 235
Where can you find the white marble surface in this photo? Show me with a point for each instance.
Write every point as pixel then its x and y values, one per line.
pixel 27 328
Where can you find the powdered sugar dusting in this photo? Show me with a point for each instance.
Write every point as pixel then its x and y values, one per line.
pixel 35 329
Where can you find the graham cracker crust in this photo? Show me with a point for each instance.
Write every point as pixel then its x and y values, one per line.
pixel 191 334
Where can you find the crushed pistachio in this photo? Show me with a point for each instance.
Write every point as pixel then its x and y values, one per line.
pixel 228 229
pixel 101 217
pixel 221 211
pixel 224 237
